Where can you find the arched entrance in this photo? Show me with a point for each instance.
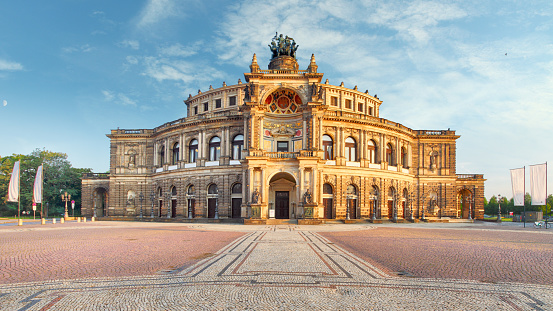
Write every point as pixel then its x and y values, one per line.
pixel 212 198
pixel 282 196
pixel 100 202
pixel 391 201
pixel 351 202
pixel 464 201
pixel 328 198
pixel 173 202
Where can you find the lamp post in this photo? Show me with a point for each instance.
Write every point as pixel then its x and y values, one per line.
pixel 217 205
pixel 499 208
pixel 348 198
pixel 168 196
pixel 141 198
pixel 394 217
pixel 66 197
pixel 471 201
pixel 152 199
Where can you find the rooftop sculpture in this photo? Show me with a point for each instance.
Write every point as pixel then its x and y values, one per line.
pixel 283 46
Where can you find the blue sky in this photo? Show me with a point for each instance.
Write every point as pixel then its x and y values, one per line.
pixel 72 70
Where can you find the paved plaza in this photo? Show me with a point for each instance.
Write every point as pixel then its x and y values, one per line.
pixel 169 266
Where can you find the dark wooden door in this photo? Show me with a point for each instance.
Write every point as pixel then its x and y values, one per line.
pixel 390 209
pixel 236 208
pixel 328 208
pixel 160 207
pixel 173 208
pixel 211 208
pixel 352 208
pixel 281 205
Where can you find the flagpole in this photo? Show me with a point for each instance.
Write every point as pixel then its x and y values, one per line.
pixel 19 193
pixel 524 197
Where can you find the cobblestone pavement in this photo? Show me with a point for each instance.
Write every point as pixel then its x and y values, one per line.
pixel 274 268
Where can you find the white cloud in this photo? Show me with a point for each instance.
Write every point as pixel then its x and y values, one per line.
pixel 118 98
pixel 85 48
pixel 133 60
pixel 4 103
pixel 108 95
pixel 164 69
pixel 157 10
pixel 10 66
pixel 180 50
pixel 133 44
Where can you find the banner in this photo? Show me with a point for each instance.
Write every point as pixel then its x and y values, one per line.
pixel 538 183
pixel 517 182
pixel 13 188
pixel 37 189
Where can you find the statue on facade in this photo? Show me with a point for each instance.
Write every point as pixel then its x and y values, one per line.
pixel 307 197
pixel 256 196
pixel 283 46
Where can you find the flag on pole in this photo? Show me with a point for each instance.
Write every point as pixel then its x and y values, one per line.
pixel 37 190
pixel 13 188
pixel 538 183
pixel 517 182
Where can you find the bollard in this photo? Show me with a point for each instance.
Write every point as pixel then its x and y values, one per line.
pixel 78 219
pixel 92 219
pixel 62 220
pixel 20 222
pixel 42 221
pixel 84 219
pixel 53 220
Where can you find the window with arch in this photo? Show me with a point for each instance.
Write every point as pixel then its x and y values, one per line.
pixel 283 101
pixel 173 191
pixel 237 188
pixel 193 151
pixel 212 189
pixel 237 146
pixel 175 158
pixel 403 157
pixel 214 148
pixel 190 190
pixel 327 147
pixel 390 154
pixel 327 189
pixel 352 190
pixel 351 149
pixel 371 146
pixel 161 155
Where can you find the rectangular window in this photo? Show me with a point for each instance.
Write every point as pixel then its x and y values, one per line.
pixel 334 101
pixel 218 103
pixel 348 103
pixel 370 111
pixel 196 110
pixel 282 146
pixel 232 101
pixel 360 107
pixel 206 106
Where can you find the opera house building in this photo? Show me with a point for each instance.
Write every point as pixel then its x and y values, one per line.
pixel 284 144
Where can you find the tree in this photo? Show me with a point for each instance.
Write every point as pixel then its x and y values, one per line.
pixel 59 177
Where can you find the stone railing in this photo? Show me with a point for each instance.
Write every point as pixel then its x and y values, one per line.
pixel 345 114
pixel 283 71
pixel 95 176
pixel 470 176
pixel 435 132
pixel 282 155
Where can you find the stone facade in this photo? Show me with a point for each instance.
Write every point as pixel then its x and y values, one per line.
pixel 283 144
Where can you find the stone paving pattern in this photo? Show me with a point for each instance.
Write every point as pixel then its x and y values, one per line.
pixel 271 268
pixel 475 254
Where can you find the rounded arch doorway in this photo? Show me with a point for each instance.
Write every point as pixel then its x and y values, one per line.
pixel 282 196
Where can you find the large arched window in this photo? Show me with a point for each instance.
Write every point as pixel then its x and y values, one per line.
pixel 403 157
pixel 175 158
pixel 327 147
pixel 390 154
pixel 351 149
pixel 237 145
pixel 371 146
pixel 214 149
pixel 161 155
pixel 193 151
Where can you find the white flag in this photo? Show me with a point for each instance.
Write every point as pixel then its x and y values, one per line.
pixel 37 190
pixel 517 182
pixel 538 183
pixel 13 189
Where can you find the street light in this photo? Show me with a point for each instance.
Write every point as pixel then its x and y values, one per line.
pixel 349 197
pixel 395 206
pixel 499 209
pixel 152 199
pixel 471 201
pixel 66 197
pixel 141 198
pixel 217 205
pixel 168 196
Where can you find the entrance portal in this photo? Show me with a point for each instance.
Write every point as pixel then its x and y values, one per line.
pixel 282 201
